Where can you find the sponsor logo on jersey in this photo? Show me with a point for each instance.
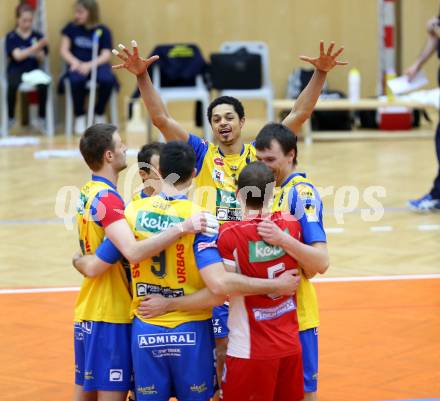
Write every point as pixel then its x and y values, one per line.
pixel 199 388
pixel 155 222
pixel 167 339
pixel 219 161
pixel 226 199
pixel 274 312
pixel 160 353
pixel 260 251
pixel 147 390
pixel 218 175
pixel 305 191
pixel 143 289
pixel 116 375
pixel 203 245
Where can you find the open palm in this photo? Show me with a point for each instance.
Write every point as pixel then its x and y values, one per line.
pixel 326 60
pixel 131 61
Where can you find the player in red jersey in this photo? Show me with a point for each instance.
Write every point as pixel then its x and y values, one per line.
pixel 263 329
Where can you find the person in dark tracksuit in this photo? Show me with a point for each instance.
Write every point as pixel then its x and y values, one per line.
pixel 76 50
pixel 25 50
pixel 431 201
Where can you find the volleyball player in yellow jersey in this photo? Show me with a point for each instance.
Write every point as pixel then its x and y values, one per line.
pixel 218 166
pixel 173 353
pixel 296 196
pixel 102 311
pixel 148 163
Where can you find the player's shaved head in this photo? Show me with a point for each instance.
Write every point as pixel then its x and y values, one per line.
pixel 260 177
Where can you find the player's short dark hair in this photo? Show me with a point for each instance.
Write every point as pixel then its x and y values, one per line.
pixel 235 103
pixel 177 157
pixel 280 133
pixel 257 175
pixel 146 153
pixel 96 140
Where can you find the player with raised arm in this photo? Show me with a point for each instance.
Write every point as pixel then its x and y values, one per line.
pixel 163 347
pixel 218 166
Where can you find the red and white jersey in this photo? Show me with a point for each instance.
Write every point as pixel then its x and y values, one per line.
pixel 260 326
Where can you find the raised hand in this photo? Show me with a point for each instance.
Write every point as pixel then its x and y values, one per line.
pixel 326 60
pixel 131 61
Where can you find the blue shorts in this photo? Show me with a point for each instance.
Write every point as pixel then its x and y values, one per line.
pixel 173 362
pixel 102 356
pixel 309 344
pixel 220 321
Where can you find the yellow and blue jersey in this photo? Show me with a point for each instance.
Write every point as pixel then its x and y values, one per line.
pixel 299 197
pixel 139 195
pixel 104 298
pixel 216 179
pixel 173 272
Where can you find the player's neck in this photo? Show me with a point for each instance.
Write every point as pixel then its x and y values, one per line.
pixel 149 191
pixel 284 175
pixel 108 173
pixel 232 149
pixel 175 190
pixel 249 214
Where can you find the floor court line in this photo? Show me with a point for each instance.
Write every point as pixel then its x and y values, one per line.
pixel 6 291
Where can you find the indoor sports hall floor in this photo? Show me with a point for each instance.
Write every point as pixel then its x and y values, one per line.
pixel 379 301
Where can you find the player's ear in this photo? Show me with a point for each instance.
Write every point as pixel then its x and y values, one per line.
pixel 194 173
pixel 108 156
pixel 242 121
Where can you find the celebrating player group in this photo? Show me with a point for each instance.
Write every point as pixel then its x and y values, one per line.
pixel 199 287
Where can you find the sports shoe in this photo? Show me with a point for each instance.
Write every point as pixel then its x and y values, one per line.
pixel 424 204
pixel 80 125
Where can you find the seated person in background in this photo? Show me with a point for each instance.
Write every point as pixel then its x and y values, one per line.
pixel 76 50
pixel 25 49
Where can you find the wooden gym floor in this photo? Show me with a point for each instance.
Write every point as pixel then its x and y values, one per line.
pixel 380 300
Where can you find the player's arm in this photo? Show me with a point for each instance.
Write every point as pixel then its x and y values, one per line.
pixel 157 305
pixel 306 101
pixel 171 130
pixel 428 50
pixel 120 233
pixel 312 258
pixel 221 282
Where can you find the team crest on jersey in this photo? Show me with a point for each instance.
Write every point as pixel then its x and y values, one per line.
pixel 310 212
pixel 218 175
pixel 260 251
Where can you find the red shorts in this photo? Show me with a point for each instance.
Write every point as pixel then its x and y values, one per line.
pixel 280 379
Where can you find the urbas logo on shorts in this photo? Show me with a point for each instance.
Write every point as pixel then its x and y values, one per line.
pixel 155 222
pixel 260 251
pixel 166 339
pixel 116 375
